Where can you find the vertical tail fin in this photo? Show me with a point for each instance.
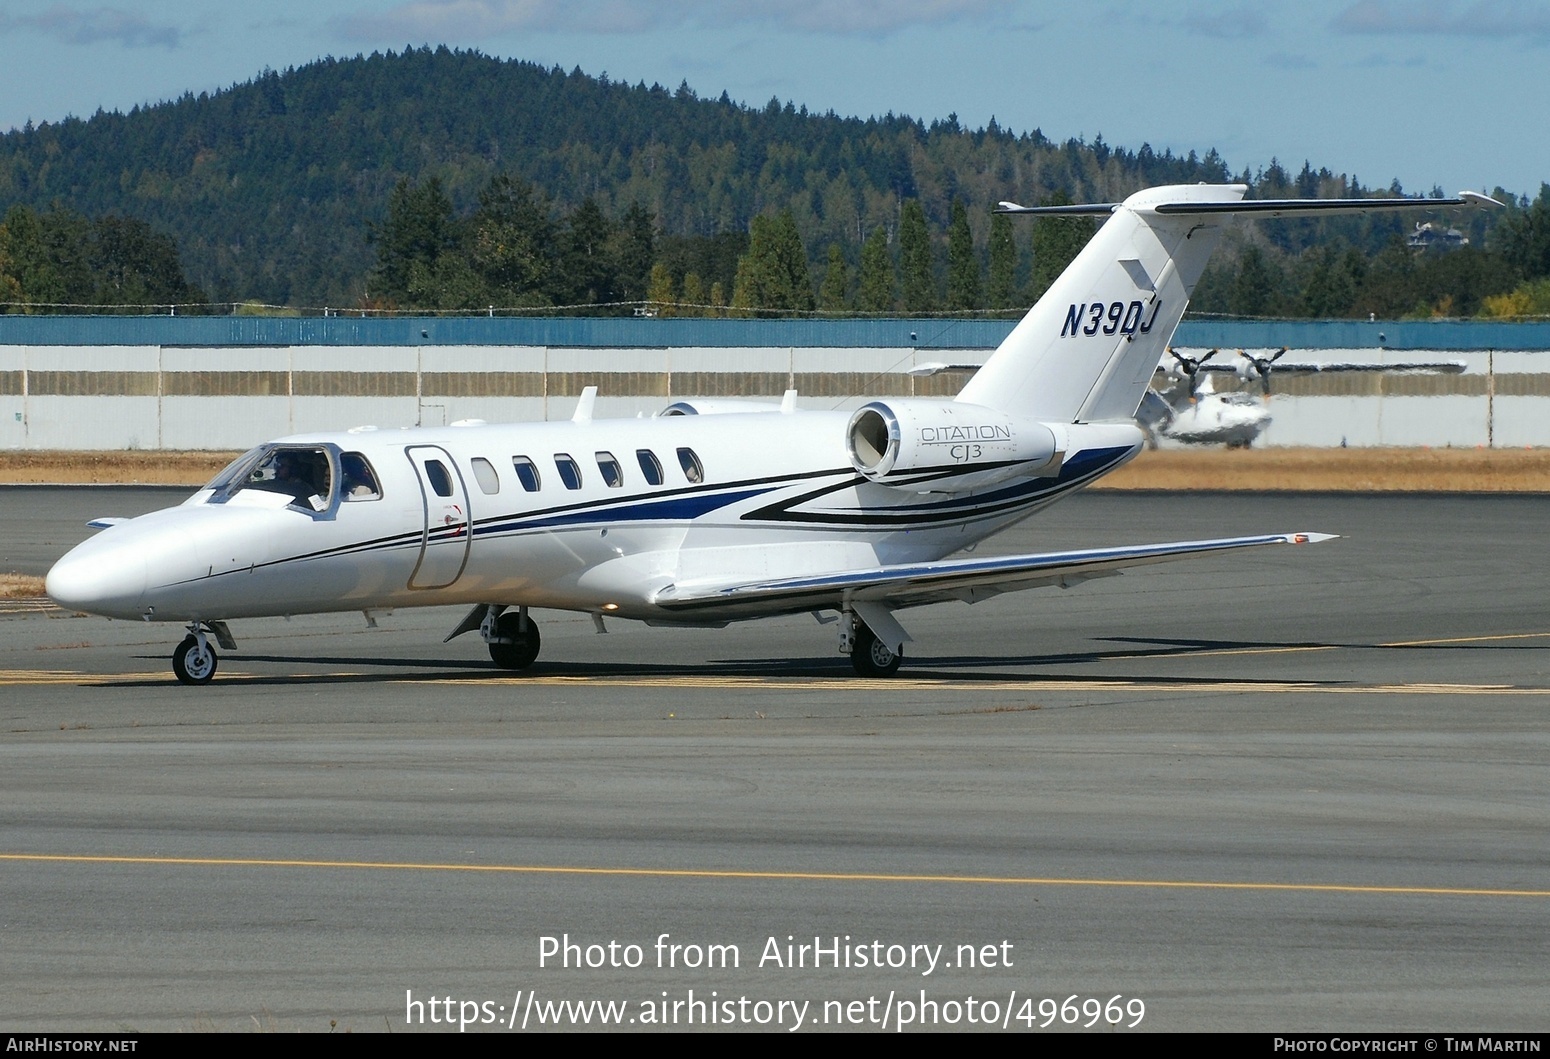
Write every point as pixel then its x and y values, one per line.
pixel 1086 352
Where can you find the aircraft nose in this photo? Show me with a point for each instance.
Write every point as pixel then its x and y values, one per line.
pixel 99 579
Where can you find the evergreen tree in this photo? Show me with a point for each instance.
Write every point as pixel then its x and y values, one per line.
pixel 1001 291
pixel 135 265
pixel 588 272
pixel 636 251
pixel 795 277
pixel 1524 237
pixel 660 293
pixel 510 242
pixel 1056 242
pixel 836 282
pixel 773 275
pixel 62 259
pixel 419 229
pixel 695 301
pixel 1255 290
pixel 1389 289
pixel 915 273
pixel 1328 287
pixel 877 279
pixel 963 266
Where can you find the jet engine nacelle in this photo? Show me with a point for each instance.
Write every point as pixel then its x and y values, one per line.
pixel 949 446
pixel 701 407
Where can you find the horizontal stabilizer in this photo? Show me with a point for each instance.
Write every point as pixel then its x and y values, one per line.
pixel 1261 207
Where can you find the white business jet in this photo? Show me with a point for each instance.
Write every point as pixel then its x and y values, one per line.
pixel 700 519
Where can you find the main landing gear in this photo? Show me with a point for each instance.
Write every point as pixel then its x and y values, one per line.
pixel 515 642
pixel 194 661
pixel 512 638
pixel 873 658
pixel 870 655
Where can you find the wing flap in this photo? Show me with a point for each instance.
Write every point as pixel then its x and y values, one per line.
pixel 916 584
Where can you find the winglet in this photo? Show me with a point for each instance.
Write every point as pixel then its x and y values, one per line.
pixel 104 521
pixel 1475 198
pixel 584 405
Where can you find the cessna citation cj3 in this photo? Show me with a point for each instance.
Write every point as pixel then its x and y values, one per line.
pixel 701 519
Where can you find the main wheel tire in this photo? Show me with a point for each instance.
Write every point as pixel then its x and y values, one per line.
pixel 871 657
pixel 194 664
pixel 523 648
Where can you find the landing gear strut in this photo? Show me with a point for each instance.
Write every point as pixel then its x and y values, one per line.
pixel 515 641
pixel 194 661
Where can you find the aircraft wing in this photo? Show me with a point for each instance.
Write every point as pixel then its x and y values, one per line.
pixel 969 580
pixel 1429 367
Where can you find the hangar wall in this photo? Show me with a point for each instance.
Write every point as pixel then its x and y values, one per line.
pixel 105 383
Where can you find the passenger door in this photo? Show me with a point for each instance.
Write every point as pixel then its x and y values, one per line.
pixel 445 541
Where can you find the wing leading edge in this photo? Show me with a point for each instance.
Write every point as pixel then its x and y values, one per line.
pixel 968 580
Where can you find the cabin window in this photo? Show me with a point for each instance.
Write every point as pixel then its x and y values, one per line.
pixel 691 465
pixel 358 480
pixel 650 466
pixel 484 474
pixel 527 473
pixel 570 471
pixel 608 467
pixel 440 478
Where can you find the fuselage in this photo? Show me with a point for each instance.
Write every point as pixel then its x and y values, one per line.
pixel 604 516
pixel 1233 419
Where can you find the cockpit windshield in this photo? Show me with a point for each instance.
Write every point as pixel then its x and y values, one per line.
pixel 303 474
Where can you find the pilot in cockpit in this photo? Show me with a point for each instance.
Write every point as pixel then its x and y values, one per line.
pixel 302 476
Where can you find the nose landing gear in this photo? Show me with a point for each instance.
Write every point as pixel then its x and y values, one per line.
pixel 194 661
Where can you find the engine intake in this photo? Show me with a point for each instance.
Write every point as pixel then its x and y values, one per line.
pixel 948 446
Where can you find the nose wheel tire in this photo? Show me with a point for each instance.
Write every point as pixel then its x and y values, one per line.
pixel 194 663
pixel 873 658
pixel 523 648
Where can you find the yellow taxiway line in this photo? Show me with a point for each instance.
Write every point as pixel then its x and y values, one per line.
pixel 42 677
pixel 780 876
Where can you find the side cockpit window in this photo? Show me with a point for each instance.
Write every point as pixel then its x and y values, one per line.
pixel 304 475
pixel 300 476
pixel 359 480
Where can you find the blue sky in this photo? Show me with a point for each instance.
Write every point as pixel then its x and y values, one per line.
pixel 1450 93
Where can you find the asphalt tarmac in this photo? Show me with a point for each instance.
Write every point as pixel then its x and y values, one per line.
pixel 1302 790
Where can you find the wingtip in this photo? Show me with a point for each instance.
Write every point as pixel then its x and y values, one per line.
pixel 1310 538
pixel 1476 198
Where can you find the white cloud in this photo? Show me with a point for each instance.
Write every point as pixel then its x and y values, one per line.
pixel 439 20
pixel 1483 18
pixel 93 25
